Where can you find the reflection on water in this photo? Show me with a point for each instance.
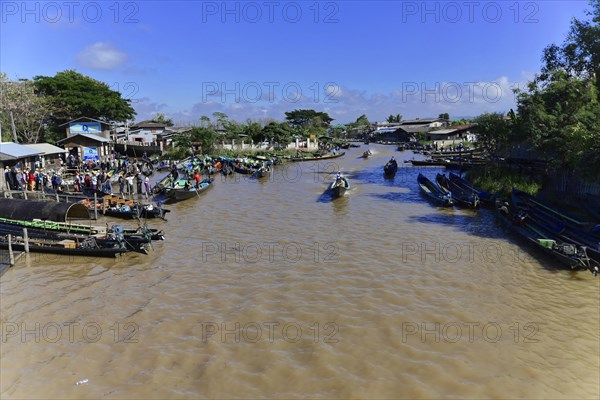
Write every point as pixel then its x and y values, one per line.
pixel 267 288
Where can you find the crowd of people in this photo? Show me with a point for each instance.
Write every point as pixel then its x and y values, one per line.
pixel 87 176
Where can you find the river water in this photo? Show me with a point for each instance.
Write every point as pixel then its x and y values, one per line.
pixel 270 289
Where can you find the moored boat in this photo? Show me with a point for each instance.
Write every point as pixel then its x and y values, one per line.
pixel 461 197
pixel 184 189
pixel 567 253
pixel 316 157
pixel 433 192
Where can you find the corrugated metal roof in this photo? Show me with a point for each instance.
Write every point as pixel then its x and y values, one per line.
pixel 13 151
pixel 87 119
pixel 442 132
pixel 87 135
pixel 46 148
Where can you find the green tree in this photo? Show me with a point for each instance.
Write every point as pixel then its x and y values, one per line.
pixel 445 116
pixel 562 118
pixel 279 133
pixel 254 131
pixel 29 111
pixel 160 117
pixel 307 118
pixel 362 121
pixel 75 95
pixel 493 132
pixel 205 136
pixel 579 54
pixel 394 118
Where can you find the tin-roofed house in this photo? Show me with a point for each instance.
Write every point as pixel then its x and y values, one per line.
pixel 88 125
pixel 87 146
pixel 15 156
pixel 50 155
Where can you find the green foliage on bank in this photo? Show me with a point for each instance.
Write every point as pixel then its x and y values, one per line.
pixel 502 180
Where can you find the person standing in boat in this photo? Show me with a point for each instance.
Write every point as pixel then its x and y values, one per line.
pixel 197 178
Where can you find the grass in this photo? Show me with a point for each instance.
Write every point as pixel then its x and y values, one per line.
pixel 502 180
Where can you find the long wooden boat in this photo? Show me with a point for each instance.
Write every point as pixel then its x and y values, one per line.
pixel 390 169
pixel 486 199
pixel 433 192
pixel 558 226
pixel 89 246
pixel 244 169
pixel 547 208
pixel 113 237
pixel 568 254
pixel 339 186
pixel 184 190
pixel 447 163
pixel 262 172
pixel 146 211
pixel 461 197
pixel 316 158
pixel 88 230
pixel 465 154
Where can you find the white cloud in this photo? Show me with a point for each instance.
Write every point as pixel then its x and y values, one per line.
pixel 101 55
pixel 344 104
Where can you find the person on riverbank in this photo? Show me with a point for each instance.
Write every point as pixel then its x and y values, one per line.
pixel 77 182
pixel 94 180
pixel 121 185
pixel 147 187
pixel 129 180
pixel 31 178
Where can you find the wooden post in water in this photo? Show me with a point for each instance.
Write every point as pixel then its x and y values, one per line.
pixel 25 194
pixel 57 199
pixel 95 205
pixel 11 255
pixel 26 240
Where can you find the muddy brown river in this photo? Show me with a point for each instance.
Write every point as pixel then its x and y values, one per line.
pixel 271 289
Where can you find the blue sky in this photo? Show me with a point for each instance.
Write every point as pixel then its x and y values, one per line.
pixel 259 59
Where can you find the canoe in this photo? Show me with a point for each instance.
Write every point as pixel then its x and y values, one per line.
pixel 547 208
pixel 339 186
pixel 568 254
pixel 138 211
pixel 390 169
pixel 485 198
pixel 461 197
pixel 262 172
pixel 111 237
pixel 316 158
pixel 244 170
pixel 563 230
pixel 89 246
pixel 433 192
pixel 186 190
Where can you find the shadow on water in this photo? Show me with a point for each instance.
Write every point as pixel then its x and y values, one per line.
pixel 402 197
pixel 326 197
pixel 478 223
pixel 484 224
